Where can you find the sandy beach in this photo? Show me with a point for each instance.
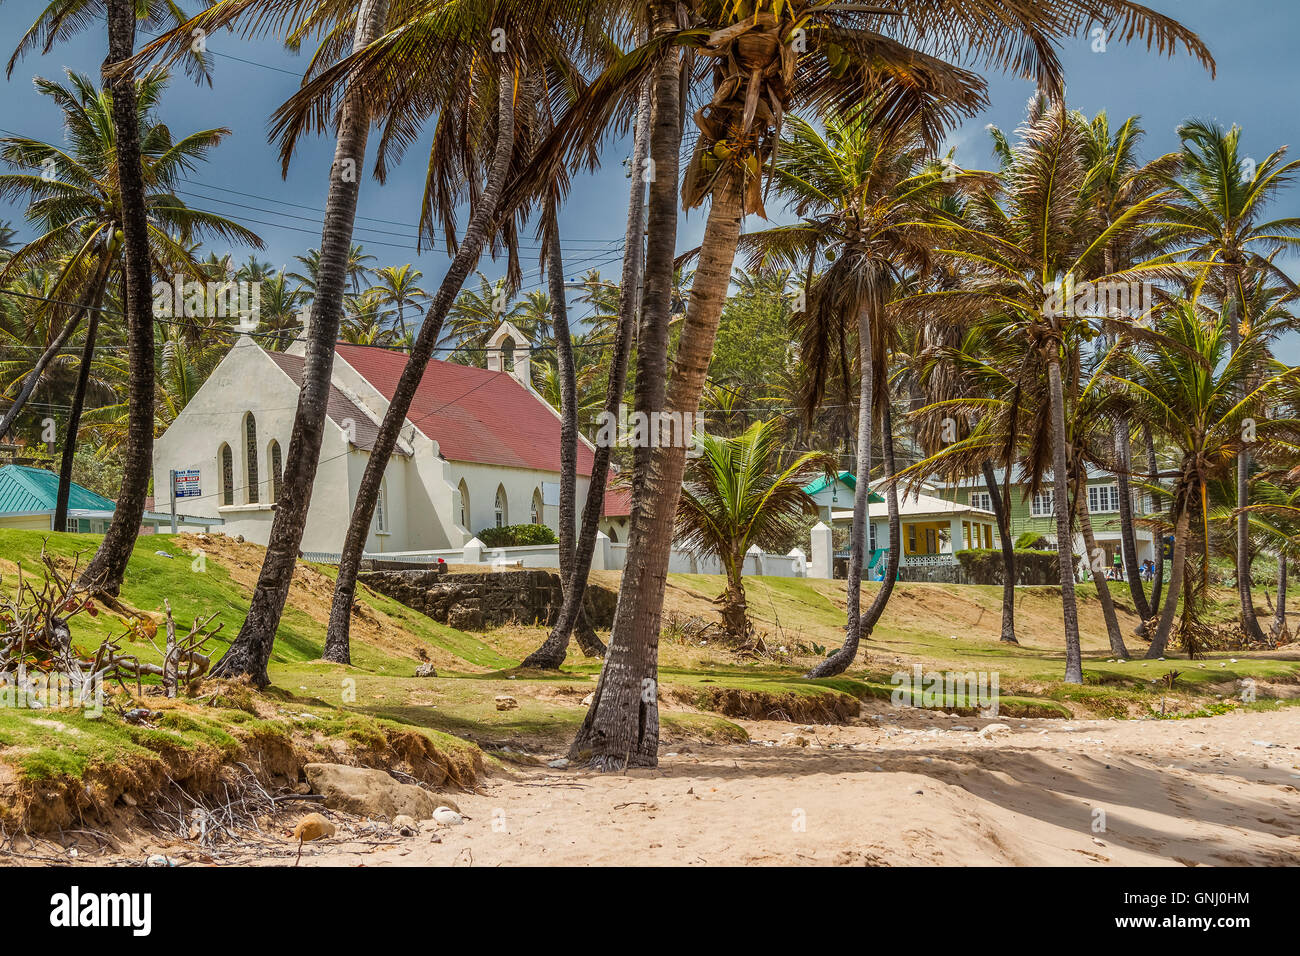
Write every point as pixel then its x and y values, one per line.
pixel 900 789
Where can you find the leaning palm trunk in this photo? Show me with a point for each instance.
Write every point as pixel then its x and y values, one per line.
pixel 32 378
pixel 1064 545
pixel 1165 628
pixel 251 650
pixel 622 725
pixel 1113 632
pixel 1003 517
pixel 838 662
pixel 78 402
pixel 591 645
pixel 867 623
pixel 337 641
pixel 1127 533
pixel 552 652
pixel 106 569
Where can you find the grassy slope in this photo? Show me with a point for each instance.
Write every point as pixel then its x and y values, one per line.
pixel 944 627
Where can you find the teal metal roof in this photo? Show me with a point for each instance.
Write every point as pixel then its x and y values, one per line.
pixel 846 478
pixel 25 490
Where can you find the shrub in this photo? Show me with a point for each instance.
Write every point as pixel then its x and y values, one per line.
pixel 517 535
pixel 984 566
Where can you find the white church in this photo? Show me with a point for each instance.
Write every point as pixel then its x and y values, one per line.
pixel 480 447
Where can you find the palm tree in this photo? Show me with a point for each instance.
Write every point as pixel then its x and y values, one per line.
pixel 399 287
pixel 616 310
pixel 281 308
pixel 1026 254
pixel 1117 182
pixel 75 204
pixel 475 315
pixel 863 193
pixel 58 20
pixel 761 65
pixel 498 87
pixel 366 323
pixel 1220 217
pixel 737 496
pixel 1189 390
pixel 251 649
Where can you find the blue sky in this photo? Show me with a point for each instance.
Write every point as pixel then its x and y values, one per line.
pixel 1253 42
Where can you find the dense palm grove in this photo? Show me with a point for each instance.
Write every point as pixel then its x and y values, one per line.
pixel 1082 305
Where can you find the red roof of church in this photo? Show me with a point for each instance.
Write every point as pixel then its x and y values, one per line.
pixel 618 502
pixel 473 414
pixel 339 407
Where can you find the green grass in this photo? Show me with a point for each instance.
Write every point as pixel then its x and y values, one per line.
pixel 943 627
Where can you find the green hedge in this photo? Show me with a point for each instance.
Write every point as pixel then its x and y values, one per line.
pixel 984 566
pixel 516 535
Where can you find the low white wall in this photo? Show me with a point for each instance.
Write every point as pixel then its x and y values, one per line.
pixel 614 554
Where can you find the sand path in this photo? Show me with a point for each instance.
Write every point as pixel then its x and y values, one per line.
pixel 902 788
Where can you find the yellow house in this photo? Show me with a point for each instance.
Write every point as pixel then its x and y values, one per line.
pixel 932 528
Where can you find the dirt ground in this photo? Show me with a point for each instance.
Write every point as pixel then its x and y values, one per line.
pixel 892 789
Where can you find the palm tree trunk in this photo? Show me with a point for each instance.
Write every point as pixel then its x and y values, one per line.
pixel 1249 621
pixel 591 644
pixel 568 398
pixel 868 622
pixel 1158 577
pixel 106 569
pixel 1113 632
pixel 78 402
pixel 477 232
pixel 1064 541
pixel 251 649
pixel 622 726
pixel 1001 511
pixel 1127 532
pixel 1181 525
pixel 735 610
pixel 552 652
pixel 839 661
pixel 1279 614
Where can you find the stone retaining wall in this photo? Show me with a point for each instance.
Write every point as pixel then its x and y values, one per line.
pixel 476 602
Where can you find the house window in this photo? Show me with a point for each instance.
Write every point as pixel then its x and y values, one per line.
pixel 502 514
pixel 537 512
pixel 911 539
pixel 1043 504
pixel 613 535
pixel 227 475
pixel 73 525
pixel 981 500
pixel 871 536
pixel 277 469
pixel 381 510
pixel 1103 498
pixel 250 449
